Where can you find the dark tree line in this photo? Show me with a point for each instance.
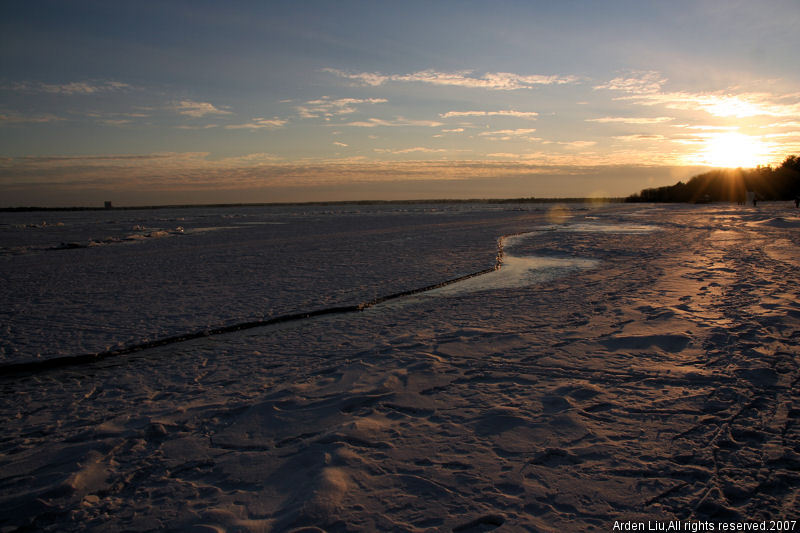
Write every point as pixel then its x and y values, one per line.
pixel 780 183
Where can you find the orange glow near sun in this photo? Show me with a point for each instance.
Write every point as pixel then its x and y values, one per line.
pixel 733 150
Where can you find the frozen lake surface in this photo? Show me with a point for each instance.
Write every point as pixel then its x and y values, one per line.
pixel 89 281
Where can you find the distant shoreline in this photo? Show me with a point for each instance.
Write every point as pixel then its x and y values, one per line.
pixel 531 200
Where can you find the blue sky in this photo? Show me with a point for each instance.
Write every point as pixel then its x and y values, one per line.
pixel 164 102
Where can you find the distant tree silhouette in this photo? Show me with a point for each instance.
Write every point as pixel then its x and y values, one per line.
pixel 781 183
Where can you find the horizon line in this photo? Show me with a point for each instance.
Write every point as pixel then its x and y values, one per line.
pixel 528 199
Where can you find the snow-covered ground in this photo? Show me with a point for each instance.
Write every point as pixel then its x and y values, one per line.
pixel 627 363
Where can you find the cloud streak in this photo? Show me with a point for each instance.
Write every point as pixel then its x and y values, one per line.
pixel 71 88
pixel 573 144
pixel 499 81
pixel 194 109
pixel 399 121
pixel 505 113
pixel 14 118
pixel 631 120
pixel 328 107
pixel 721 104
pixel 518 131
pixel 640 82
pixel 416 149
pixel 646 88
pixel 196 171
pixel 640 138
pixel 258 123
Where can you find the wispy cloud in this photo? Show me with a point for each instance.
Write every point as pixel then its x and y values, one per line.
pixel 648 81
pixel 647 89
pixel 115 119
pixel 505 113
pixel 631 120
pixel 579 144
pixel 107 114
pixel 722 104
pixel 341 144
pixel 705 127
pixel 365 78
pixel 198 172
pixel 258 123
pixel 786 124
pixel 783 135
pixel 505 81
pixel 417 149
pixel 71 88
pixel 572 144
pixel 14 118
pixel 580 162
pixel 119 170
pixel 197 127
pixel 504 155
pixel 328 107
pixel 399 121
pixel 640 137
pixel 508 133
pixel 198 109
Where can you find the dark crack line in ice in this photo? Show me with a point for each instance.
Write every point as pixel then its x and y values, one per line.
pixel 53 363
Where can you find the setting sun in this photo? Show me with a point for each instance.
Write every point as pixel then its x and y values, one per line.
pixel 733 150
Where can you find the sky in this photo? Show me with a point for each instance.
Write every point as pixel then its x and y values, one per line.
pixel 164 102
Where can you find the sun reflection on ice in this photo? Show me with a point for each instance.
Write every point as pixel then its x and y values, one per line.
pixel 517 272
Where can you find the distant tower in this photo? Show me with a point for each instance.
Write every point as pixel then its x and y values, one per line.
pixel 108 204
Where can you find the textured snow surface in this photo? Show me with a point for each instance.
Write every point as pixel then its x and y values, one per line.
pixel 661 382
